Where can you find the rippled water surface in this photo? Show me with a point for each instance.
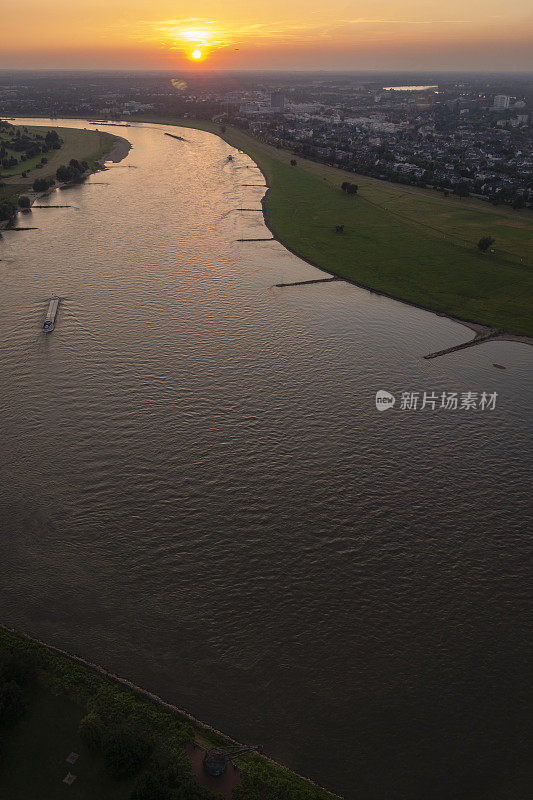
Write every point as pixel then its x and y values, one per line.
pixel 199 494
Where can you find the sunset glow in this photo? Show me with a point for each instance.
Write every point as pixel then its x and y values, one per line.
pixel 296 35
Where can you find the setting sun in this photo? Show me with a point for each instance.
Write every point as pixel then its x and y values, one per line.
pixel 196 54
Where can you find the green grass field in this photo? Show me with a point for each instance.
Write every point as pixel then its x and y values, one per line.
pixel 85 145
pixel 413 244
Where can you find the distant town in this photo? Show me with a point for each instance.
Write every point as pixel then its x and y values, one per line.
pixel 469 136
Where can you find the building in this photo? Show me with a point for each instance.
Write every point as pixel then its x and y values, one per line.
pixel 277 100
pixel 501 101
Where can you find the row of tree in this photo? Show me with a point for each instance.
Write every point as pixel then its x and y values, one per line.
pixel 72 172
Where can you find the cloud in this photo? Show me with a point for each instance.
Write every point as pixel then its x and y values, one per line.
pixel 181 34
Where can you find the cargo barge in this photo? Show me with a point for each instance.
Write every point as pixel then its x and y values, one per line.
pixel 51 315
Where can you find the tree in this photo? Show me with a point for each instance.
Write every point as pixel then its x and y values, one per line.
pixel 153 786
pixel 52 139
pixel 125 751
pixel 349 188
pixel 7 210
pixel 461 189
pixel 64 174
pixel 12 703
pixel 19 666
pixel 339 228
pixel 484 243
pixel 42 184
pixel 91 732
pixel 293 162
pixel 24 201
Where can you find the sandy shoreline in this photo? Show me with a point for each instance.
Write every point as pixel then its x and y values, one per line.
pixel 118 152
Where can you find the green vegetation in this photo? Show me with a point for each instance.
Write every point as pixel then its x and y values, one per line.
pixel 410 243
pixel 128 746
pixel 41 153
pixel 484 243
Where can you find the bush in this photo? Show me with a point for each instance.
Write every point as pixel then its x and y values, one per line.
pixel 91 732
pixel 12 703
pixel 125 751
pixel 24 201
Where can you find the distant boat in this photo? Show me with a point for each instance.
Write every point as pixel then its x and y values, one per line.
pixel 48 326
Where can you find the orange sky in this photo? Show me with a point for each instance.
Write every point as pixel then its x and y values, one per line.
pixel 240 34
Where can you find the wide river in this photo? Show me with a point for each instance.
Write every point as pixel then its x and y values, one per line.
pixel 199 493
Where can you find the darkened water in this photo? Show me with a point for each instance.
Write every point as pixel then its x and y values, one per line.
pixel 199 493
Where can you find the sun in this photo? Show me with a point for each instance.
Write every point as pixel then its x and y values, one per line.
pixel 196 54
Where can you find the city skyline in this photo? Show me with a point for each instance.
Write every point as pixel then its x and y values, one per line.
pixel 403 36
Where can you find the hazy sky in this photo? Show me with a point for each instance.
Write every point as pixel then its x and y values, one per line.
pixel 240 34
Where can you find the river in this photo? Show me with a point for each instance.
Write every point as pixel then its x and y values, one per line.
pixel 199 493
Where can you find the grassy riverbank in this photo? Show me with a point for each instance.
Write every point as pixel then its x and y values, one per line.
pixel 83 145
pixel 412 244
pixel 124 739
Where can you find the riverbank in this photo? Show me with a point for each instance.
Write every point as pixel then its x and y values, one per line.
pixel 408 244
pixel 170 729
pixel 94 147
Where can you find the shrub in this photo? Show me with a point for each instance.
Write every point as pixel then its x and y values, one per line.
pixel 12 703
pixel 125 751
pixel 24 201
